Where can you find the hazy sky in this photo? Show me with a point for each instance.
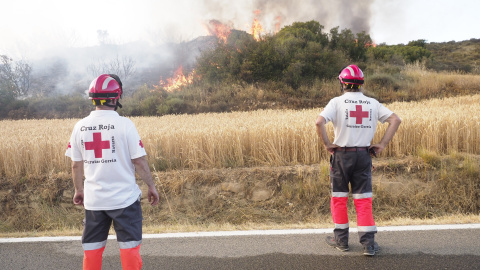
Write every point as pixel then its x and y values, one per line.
pixel 28 27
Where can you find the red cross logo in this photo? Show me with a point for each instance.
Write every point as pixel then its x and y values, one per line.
pixel 97 145
pixel 359 114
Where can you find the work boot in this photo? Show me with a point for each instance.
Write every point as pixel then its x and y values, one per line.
pixel 331 242
pixel 371 250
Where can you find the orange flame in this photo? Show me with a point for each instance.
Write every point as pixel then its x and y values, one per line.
pixel 368 44
pixel 220 30
pixel 256 30
pixel 278 22
pixel 177 81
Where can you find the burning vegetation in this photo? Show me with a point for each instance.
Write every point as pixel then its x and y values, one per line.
pixel 177 81
pixel 222 31
pixel 257 29
pixel 236 57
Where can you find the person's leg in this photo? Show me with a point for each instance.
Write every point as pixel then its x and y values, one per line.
pixel 362 196
pixel 339 177
pixel 127 223
pixel 94 238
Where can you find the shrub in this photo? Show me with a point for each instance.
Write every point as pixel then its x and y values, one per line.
pixel 383 81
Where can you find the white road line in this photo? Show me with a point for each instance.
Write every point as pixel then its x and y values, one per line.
pixel 250 233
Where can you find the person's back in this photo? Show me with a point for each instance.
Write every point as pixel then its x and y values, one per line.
pixel 110 143
pixel 107 149
pixel 354 117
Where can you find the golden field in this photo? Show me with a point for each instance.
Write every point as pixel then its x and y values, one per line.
pixel 250 170
pixel 244 139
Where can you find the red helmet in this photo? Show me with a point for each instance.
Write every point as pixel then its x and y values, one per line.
pixel 351 75
pixel 106 86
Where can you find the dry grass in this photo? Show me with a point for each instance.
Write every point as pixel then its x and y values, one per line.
pixel 243 139
pixel 431 84
pixel 33 147
pixel 407 190
pixel 210 166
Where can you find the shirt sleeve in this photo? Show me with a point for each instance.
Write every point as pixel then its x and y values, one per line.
pixel 383 113
pixel 73 149
pixel 329 112
pixel 135 145
pixel 68 152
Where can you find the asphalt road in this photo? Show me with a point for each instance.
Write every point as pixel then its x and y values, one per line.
pixel 456 248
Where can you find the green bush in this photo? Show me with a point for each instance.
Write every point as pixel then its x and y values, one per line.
pixel 174 105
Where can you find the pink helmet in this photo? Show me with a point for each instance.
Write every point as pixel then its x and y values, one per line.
pixel 351 75
pixel 106 86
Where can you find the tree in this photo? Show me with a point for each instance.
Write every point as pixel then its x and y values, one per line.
pixel 102 36
pixel 303 32
pixel 419 43
pixel 15 76
pixel 414 51
pixel 298 54
pixel 355 46
pixel 123 67
pixel 412 54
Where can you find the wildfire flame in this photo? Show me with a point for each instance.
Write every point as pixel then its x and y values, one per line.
pixel 177 81
pixel 368 44
pixel 278 22
pixel 220 30
pixel 256 30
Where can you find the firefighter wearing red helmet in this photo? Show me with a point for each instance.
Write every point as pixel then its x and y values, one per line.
pixel 107 87
pixel 354 117
pixel 106 148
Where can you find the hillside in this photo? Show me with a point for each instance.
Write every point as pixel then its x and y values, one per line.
pixel 295 68
pixel 462 56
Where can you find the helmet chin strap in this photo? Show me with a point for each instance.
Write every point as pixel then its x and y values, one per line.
pixel 118 105
pixel 114 106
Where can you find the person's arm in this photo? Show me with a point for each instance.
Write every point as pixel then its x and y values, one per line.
pixel 141 167
pixel 77 176
pixel 322 133
pixel 393 124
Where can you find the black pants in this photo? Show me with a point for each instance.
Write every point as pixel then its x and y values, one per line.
pixel 352 168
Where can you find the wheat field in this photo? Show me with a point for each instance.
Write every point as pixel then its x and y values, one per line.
pixel 244 139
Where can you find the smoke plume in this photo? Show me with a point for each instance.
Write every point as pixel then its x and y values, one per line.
pixel 354 15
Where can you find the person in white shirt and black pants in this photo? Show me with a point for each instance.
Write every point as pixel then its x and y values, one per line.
pixel 354 117
pixel 107 149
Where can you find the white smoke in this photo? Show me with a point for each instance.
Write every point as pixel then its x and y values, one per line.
pixel 149 31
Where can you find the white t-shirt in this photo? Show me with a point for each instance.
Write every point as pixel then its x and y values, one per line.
pixel 354 117
pixel 107 143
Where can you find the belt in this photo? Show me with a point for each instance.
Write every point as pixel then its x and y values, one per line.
pixel 352 149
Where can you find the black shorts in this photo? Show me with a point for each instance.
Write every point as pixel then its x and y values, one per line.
pixel 127 223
